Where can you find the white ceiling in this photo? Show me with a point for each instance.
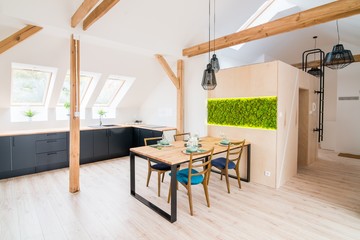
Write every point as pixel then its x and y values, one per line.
pixel 166 27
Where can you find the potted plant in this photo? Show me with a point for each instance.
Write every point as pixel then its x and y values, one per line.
pixel 101 113
pixel 67 107
pixel 29 113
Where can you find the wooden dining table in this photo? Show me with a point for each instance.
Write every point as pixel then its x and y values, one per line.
pixel 174 155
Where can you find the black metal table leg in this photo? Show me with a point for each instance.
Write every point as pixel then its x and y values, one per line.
pixel 132 173
pixel 170 217
pixel 173 193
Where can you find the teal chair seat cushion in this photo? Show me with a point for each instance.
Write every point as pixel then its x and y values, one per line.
pixel 161 166
pixel 220 163
pixel 183 175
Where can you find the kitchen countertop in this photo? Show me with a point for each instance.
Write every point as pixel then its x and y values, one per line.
pixel 84 128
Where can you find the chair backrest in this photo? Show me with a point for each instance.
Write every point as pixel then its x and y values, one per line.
pixel 151 141
pixel 205 164
pixel 181 136
pixel 234 152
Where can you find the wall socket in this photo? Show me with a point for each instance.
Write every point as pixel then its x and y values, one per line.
pixel 267 173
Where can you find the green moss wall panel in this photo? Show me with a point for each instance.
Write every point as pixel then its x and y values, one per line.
pixel 255 112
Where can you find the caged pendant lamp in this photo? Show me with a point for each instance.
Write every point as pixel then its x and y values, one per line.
pixel 214 60
pixel 315 71
pixel 338 58
pixel 209 80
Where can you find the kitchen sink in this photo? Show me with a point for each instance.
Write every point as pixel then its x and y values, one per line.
pixel 104 126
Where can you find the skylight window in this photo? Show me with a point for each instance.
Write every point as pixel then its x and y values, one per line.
pixel 85 81
pixel 109 91
pixel 266 12
pixel 29 86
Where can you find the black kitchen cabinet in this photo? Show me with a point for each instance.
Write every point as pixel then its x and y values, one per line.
pixel 86 146
pixel 140 134
pixel 120 141
pixel 101 144
pixel 24 152
pixel 51 151
pixel 5 154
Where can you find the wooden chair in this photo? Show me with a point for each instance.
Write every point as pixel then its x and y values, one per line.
pixel 232 161
pixel 196 173
pixel 160 168
pixel 182 136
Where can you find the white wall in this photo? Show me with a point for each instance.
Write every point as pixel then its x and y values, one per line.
pixel 46 49
pixel 348 111
pixel 159 108
pixel 341 118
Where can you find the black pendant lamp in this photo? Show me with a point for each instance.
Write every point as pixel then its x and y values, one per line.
pixel 209 80
pixel 214 60
pixel 338 58
pixel 315 71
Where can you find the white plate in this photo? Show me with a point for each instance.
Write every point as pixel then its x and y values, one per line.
pixel 161 145
pixel 198 151
pixel 224 145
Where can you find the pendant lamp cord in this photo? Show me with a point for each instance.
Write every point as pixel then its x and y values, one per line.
pixel 209 30
pixel 214 26
pixel 314 37
pixel 337 28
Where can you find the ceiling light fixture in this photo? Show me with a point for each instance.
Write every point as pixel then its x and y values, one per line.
pixel 209 79
pixel 315 71
pixel 214 60
pixel 338 58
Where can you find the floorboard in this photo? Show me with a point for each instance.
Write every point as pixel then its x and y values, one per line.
pixel 320 202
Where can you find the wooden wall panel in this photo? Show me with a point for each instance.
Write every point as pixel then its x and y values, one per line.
pixel 246 81
pixel 287 126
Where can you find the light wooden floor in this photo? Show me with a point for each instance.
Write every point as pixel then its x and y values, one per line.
pixel 321 202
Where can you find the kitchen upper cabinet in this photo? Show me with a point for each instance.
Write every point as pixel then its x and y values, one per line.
pixel 23 152
pixel 5 154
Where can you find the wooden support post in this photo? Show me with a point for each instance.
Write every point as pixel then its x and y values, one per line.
pixel 180 97
pixel 178 83
pixel 74 165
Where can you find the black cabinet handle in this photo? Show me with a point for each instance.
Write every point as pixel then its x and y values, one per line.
pixel 13 141
pixel 49 134
pixel 52 153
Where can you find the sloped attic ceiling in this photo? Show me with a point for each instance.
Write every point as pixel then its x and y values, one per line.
pixel 166 27
pixel 138 29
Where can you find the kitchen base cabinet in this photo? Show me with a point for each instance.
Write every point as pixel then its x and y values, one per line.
pixel 120 141
pixel 101 144
pixel 86 146
pixel 5 156
pixel 26 154
pixel 140 134
pixel 23 152
pixel 51 151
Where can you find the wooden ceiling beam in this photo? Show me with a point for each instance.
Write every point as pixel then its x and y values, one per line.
pixel 98 12
pixel 168 70
pixel 316 63
pixel 18 37
pixel 82 11
pixel 314 16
